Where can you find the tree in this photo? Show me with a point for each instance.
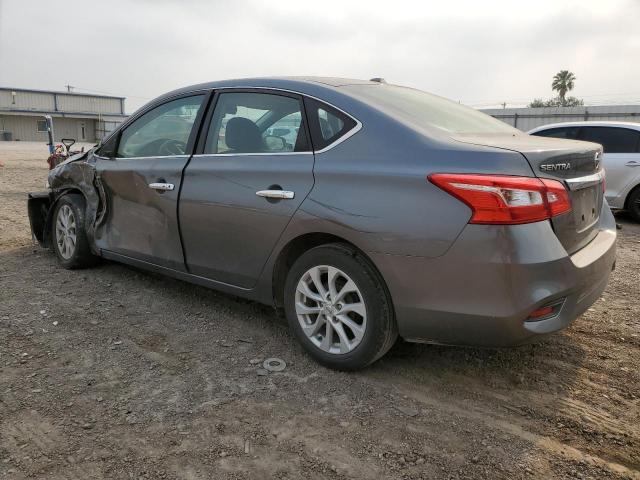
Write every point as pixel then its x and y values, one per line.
pixel 537 103
pixel 562 83
pixel 557 102
pixel 573 102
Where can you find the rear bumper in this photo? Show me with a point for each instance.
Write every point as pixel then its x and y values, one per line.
pixel 484 288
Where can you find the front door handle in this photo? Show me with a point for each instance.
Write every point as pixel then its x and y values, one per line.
pixel 632 163
pixel 280 194
pixel 163 187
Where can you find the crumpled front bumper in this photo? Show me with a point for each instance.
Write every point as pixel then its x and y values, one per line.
pixel 38 206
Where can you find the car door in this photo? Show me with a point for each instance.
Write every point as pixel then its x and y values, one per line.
pixel 620 158
pixel 142 181
pixel 241 191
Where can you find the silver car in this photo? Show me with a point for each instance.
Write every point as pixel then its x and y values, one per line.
pixel 620 158
pixel 392 213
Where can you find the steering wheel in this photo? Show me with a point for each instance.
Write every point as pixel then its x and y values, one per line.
pixel 172 147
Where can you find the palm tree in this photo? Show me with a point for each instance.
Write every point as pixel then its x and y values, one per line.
pixel 563 82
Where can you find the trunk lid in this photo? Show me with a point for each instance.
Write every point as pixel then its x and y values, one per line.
pixel 577 164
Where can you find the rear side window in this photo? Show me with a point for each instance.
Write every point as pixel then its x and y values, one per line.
pixel 612 139
pixel 327 124
pixel 249 122
pixel 570 133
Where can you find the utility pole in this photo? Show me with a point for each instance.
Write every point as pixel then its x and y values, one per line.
pixel 504 105
pixel 70 88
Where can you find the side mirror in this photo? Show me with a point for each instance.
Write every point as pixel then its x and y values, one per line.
pixel 274 144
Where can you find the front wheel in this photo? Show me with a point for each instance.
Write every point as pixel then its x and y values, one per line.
pixel 633 204
pixel 339 308
pixel 69 237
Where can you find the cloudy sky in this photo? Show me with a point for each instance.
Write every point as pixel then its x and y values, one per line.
pixel 480 52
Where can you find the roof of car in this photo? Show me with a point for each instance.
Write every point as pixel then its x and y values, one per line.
pixel 304 85
pixel 261 81
pixel 632 125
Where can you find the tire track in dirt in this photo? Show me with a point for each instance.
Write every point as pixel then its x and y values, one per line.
pixel 493 420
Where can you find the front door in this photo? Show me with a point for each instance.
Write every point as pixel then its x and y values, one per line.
pixel 238 196
pixel 142 183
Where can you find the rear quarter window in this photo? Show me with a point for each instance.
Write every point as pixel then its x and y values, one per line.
pixel 327 124
pixel 570 133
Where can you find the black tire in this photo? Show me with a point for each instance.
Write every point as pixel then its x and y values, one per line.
pixel 381 330
pixel 80 255
pixel 633 204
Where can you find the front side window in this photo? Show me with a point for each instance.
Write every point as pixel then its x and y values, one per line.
pixel 570 133
pixel 256 123
pixel 326 123
pixel 161 132
pixel 612 139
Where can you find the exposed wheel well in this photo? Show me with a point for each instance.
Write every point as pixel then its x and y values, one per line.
pixel 292 251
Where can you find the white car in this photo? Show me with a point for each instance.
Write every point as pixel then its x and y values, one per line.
pixel 621 157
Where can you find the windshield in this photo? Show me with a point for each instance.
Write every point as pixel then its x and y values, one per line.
pixel 426 110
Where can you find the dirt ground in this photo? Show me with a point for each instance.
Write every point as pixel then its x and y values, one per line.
pixel 116 373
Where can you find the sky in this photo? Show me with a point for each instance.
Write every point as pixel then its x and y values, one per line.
pixel 479 52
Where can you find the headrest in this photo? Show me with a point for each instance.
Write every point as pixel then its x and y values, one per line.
pixel 242 135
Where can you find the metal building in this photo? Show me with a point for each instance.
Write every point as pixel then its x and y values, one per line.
pixel 84 117
pixel 527 118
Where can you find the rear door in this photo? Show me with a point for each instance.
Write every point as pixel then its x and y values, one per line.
pixel 621 158
pixel 241 190
pixel 142 180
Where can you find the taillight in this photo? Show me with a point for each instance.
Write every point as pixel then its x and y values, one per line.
pixel 501 199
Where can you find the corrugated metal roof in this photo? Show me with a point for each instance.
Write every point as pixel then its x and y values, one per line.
pixel 59 92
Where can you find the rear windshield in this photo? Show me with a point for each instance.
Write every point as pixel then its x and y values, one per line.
pixel 426 110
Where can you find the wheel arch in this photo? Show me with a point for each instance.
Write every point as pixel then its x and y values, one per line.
pixel 301 244
pixel 633 190
pixel 634 212
pixel 47 231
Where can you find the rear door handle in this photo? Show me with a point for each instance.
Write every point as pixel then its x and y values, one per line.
pixel 632 163
pixel 281 194
pixel 163 187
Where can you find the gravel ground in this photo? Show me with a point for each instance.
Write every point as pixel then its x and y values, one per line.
pixel 113 372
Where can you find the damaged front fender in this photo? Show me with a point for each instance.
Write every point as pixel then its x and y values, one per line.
pixel 77 174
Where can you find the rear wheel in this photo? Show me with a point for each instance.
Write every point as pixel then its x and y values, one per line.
pixel 633 204
pixel 69 237
pixel 338 307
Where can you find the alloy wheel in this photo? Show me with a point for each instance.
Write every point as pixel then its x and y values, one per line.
pixel 66 236
pixel 331 310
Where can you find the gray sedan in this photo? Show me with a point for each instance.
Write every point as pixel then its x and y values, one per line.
pixel 391 213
